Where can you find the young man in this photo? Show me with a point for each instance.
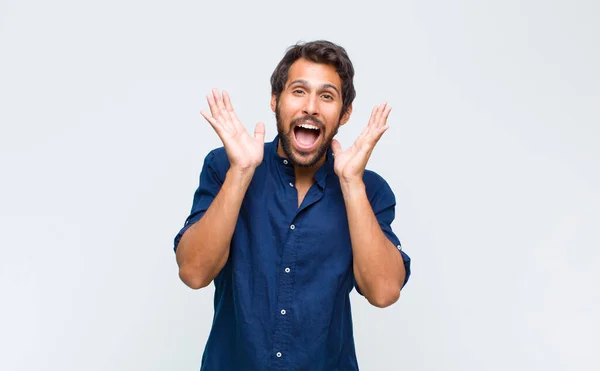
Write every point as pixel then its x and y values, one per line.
pixel 287 229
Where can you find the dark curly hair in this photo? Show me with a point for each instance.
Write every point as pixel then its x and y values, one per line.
pixel 320 51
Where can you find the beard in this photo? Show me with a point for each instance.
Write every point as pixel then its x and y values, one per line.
pixel 299 158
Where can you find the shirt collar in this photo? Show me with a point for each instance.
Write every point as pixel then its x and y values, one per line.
pixel 287 167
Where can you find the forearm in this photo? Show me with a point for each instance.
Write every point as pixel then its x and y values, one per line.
pixel 378 267
pixel 204 248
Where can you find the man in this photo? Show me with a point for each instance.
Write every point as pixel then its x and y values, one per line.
pixel 287 229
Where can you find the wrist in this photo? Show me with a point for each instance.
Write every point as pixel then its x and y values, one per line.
pixel 352 187
pixel 239 177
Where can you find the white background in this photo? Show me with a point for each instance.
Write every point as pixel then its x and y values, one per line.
pixel 493 155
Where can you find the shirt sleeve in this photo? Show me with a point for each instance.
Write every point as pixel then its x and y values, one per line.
pixel 209 185
pixel 384 204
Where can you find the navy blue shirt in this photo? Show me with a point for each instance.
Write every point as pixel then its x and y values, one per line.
pixel 282 299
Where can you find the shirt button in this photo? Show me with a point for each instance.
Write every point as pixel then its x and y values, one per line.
pixel 285 162
pixel 278 354
pixel 292 227
pixel 283 312
pixel 287 270
pixel 399 247
pixel 291 184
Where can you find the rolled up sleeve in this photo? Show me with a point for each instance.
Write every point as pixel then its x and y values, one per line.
pixel 383 203
pixel 209 185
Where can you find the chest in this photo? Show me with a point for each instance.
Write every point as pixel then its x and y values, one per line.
pixel 304 225
pixel 302 190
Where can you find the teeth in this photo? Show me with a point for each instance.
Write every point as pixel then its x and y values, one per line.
pixel 307 126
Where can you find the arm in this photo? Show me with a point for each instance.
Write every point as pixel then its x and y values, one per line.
pixel 378 267
pixel 204 247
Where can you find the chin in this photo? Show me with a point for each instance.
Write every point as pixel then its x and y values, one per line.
pixel 307 159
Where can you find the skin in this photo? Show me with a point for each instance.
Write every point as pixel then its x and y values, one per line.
pixel 312 92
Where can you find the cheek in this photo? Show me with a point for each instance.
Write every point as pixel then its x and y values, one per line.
pixel 333 114
pixel 295 104
pixel 290 110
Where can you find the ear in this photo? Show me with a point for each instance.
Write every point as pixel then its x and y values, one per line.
pixel 273 102
pixel 346 115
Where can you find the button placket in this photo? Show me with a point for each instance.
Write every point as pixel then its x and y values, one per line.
pixel 282 330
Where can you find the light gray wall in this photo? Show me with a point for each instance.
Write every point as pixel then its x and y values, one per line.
pixel 493 155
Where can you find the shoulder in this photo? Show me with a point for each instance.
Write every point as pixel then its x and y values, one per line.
pixel 378 190
pixel 375 183
pixel 217 155
pixel 217 162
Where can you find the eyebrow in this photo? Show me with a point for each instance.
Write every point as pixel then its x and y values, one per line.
pixel 322 86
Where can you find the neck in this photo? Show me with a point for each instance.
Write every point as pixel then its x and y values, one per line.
pixel 307 174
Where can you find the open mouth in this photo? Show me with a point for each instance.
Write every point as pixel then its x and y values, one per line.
pixel 306 136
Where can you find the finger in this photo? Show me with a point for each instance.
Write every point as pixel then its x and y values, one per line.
pixel 211 120
pixel 214 109
pixel 259 132
pixel 380 109
pixel 382 117
pixel 373 114
pixel 221 105
pixel 386 114
pixel 229 108
pixel 364 134
pixel 379 134
pixel 336 147
pixel 227 101
pixel 372 133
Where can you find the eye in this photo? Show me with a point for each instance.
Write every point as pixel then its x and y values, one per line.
pixel 327 96
pixel 298 91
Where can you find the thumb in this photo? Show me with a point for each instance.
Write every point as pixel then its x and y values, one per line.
pixel 259 132
pixel 336 147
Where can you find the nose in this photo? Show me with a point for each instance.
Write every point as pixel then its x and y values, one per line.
pixel 310 105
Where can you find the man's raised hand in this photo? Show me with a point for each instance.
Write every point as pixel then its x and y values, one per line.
pixel 350 164
pixel 245 152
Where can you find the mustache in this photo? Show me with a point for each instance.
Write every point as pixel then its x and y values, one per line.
pixel 308 119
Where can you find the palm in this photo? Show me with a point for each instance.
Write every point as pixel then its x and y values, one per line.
pixel 243 150
pixel 350 164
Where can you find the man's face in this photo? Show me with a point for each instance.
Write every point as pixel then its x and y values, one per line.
pixel 308 111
